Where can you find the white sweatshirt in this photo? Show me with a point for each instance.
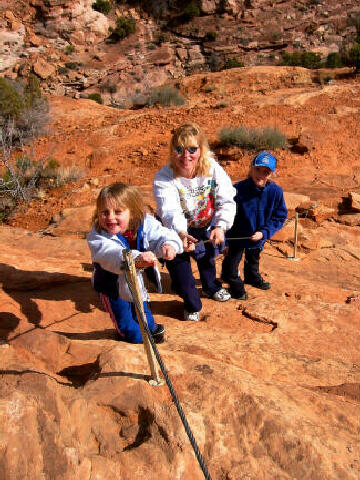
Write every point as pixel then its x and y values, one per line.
pixel 183 202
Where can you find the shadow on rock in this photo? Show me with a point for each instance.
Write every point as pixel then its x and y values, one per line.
pixel 9 322
pixel 25 287
pixel 173 308
pixel 107 334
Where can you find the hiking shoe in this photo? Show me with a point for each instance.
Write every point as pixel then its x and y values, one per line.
pixel 221 295
pixel 191 316
pixel 158 333
pixel 159 330
pixel 239 296
pixel 262 284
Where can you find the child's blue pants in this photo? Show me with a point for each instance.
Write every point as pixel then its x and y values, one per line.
pixel 123 315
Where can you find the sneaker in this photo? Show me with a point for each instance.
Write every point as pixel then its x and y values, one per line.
pixel 158 333
pixel 159 330
pixel 192 317
pixel 221 295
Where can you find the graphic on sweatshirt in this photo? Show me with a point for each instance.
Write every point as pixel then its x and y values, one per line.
pixel 198 204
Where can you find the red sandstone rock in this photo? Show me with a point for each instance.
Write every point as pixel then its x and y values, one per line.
pixel 355 201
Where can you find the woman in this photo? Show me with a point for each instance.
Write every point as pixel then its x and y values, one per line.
pixel 195 197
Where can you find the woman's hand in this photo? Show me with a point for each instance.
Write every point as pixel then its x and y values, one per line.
pixel 217 235
pixel 145 259
pixel 257 236
pixel 188 241
pixel 168 252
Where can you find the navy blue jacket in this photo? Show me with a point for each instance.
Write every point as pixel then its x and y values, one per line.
pixel 257 210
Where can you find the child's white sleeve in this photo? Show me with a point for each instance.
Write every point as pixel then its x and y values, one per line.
pixel 225 206
pixel 156 235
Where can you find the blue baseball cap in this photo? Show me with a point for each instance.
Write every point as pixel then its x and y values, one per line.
pixel 264 159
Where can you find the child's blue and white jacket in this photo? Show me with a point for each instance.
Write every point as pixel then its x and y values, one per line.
pixel 106 253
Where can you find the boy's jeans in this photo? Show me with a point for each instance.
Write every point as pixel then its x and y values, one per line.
pixel 230 268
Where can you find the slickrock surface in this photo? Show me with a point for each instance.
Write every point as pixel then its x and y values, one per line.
pixel 270 386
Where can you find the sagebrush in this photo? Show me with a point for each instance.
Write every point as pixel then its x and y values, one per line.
pixel 252 138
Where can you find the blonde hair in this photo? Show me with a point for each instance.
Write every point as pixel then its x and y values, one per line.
pixel 181 137
pixel 121 196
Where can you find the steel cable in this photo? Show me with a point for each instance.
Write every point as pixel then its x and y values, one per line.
pixel 169 384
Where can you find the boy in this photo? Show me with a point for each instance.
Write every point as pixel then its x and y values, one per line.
pixel 261 211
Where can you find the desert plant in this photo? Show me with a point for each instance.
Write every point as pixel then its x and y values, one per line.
pixel 166 96
pixel 191 10
pixel 69 49
pixel 232 63
pixel 11 101
pixel 354 20
pixel 23 117
pixel 301 59
pixel 102 6
pixel 96 97
pixel 163 38
pixel 108 87
pixel 252 138
pixel 210 36
pixel 333 60
pixel 63 175
pixel 73 65
pixel 351 57
pixel 62 70
pixel 124 27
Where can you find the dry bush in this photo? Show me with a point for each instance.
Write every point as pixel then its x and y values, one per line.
pixel 252 138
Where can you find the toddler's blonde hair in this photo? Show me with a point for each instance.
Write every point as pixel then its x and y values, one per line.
pixel 182 137
pixel 119 195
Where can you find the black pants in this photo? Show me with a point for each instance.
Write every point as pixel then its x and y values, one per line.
pixel 230 268
pixel 182 278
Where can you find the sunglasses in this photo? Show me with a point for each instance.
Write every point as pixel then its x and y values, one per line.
pixel 180 150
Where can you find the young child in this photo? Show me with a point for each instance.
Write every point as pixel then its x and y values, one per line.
pixel 195 197
pixel 120 222
pixel 261 211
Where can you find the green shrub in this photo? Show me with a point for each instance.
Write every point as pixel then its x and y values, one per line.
pixel 62 70
pixel 23 117
pixel 232 63
pixel 124 27
pixel 53 164
pixel 311 60
pixel 210 37
pixel 108 87
pixel 73 65
pixel 23 105
pixel 11 101
pixel 96 97
pixel 191 10
pixel 23 163
pixel 333 60
pixel 351 57
pixel 166 96
pixel 163 38
pixel 32 91
pixel 69 49
pixel 301 59
pixel 102 6
pixel 252 138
